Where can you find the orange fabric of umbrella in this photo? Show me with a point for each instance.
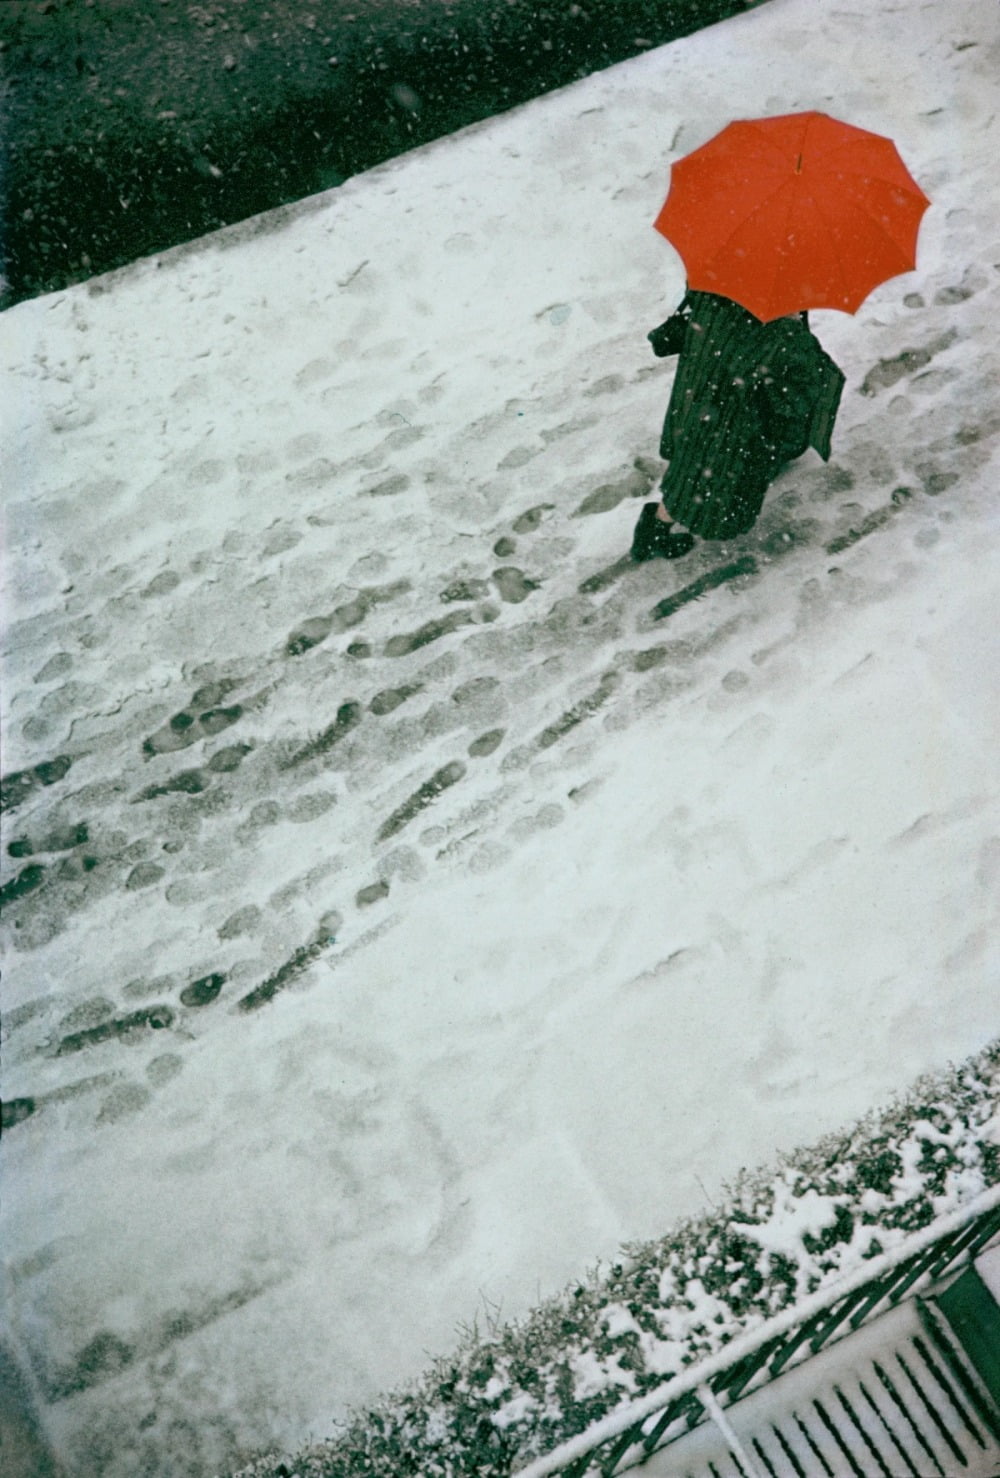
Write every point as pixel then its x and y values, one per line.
pixel 794 212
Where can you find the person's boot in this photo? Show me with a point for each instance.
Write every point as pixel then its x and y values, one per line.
pixel 654 538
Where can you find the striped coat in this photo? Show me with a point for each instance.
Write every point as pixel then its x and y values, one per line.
pixel 747 398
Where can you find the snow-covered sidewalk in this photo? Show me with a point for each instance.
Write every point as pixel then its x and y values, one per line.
pixel 399 915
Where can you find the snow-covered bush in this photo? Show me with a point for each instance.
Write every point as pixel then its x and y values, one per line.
pixel 513 1391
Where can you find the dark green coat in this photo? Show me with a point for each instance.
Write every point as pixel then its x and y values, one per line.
pixel 747 398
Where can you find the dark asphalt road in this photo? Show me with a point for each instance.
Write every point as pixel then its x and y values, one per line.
pixel 132 125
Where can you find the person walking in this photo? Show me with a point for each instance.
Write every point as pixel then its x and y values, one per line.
pixel 748 398
pixel 771 217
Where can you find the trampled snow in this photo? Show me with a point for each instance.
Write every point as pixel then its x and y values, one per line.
pixel 419 917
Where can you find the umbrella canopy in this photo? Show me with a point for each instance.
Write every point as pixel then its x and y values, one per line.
pixel 795 212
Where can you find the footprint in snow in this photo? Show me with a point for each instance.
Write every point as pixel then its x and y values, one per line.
pixel 527 522
pixel 513 585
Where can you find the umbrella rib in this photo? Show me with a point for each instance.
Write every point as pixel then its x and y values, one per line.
pixel 764 201
pixel 849 146
pixel 826 221
pixel 880 224
pixel 880 179
pixel 795 195
pixel 826 154
pixel 781 150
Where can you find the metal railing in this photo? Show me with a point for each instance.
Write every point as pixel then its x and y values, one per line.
pixel 702 1391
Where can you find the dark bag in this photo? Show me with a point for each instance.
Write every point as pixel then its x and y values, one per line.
pixel 797 392
pixel 668 338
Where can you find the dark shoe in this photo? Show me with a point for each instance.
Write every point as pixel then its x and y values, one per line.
pixel 654 538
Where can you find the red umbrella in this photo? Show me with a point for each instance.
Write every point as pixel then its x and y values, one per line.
pixel 799 211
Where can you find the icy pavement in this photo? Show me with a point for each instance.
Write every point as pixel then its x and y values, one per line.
pixel 407 899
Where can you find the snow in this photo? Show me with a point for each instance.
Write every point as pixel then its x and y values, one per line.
pixel 617 1320
pixel 722 883
pixel 794 1215
pixel 697 1310
pixel 514 1410
pixel 592 1375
